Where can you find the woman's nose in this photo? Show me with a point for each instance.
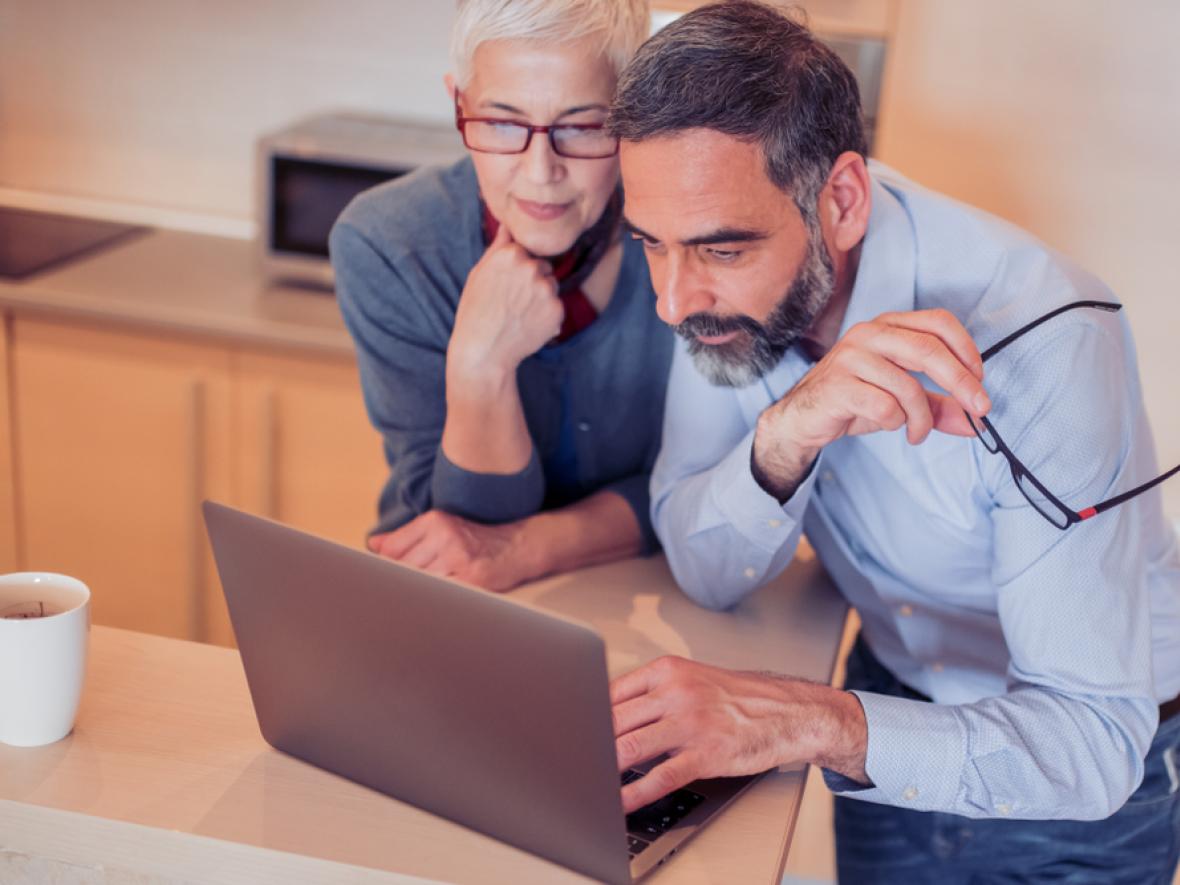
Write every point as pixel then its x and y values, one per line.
pixel 541 164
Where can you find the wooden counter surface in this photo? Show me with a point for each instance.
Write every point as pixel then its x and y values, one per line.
pixel 167 779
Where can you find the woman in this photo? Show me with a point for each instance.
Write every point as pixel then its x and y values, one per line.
pixel 508 348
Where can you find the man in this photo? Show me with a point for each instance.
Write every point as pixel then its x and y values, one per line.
pixel 1015 680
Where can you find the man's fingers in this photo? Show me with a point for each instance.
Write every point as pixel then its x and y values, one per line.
pixel 631 685
pixel 669 775
pixel 949 416
pixel 946 326
pixel 635 713
pixel 923 352
pixel 873 409
pixel 668 735
pixel 904 388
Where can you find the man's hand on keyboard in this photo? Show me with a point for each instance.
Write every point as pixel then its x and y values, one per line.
pixel 713 722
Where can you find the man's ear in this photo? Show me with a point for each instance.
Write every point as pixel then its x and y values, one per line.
pixel 449 83
pixel 846 201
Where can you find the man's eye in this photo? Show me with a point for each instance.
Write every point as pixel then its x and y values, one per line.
pixel 648 242
pixel 723 255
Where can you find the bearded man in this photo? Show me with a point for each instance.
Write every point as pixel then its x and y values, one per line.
pixel 994 517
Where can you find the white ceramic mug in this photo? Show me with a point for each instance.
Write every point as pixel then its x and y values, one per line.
pixel 44 626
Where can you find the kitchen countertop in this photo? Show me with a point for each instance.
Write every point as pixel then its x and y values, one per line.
pixel 184 283
pixel 166 778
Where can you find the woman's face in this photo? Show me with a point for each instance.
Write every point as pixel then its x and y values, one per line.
pixel 546 200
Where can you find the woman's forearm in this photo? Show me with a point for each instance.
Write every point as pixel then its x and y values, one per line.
pixel 485 429
pixel 599 528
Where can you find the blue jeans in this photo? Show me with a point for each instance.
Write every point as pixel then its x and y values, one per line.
pixel 1137 845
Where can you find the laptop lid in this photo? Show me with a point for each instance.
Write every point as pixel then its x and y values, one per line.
pixel 469 705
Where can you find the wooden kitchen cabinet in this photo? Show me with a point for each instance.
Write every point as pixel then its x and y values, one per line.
pixel 8 549
pixel 119 436
pixel 305 453
pixel 120 433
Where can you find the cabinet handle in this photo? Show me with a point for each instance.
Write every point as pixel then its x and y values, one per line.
pixel 196 493
pixel 269 491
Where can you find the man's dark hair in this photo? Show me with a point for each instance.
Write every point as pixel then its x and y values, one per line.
pixel 744 69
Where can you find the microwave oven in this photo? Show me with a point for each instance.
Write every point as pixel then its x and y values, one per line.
pixel 309 171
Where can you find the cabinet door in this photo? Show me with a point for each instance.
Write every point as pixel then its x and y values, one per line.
pixel 306 454
pixel 119 437
pixel 8 549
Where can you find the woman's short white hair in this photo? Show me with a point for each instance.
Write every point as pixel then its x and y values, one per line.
pixel 621 25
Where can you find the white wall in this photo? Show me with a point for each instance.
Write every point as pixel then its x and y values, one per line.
pixel 1064 117
pixel 1061 115
pixel 158 102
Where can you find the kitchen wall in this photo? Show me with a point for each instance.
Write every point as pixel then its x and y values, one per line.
pixel 1059 115
pixel 1064 117
pixel 159 103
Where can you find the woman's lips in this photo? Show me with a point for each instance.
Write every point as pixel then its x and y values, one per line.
pixel 543 211
pixel 714 340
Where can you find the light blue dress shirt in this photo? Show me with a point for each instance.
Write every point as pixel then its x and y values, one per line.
pixel 1046 652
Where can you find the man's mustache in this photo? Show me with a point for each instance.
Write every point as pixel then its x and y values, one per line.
pixel 709 325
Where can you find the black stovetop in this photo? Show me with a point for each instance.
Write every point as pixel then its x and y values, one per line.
pixel 34 241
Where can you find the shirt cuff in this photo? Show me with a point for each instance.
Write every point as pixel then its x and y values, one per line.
pixel 915 753
pixel 750 509
pixel 487 497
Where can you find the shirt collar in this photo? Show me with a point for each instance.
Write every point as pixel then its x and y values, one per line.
pixel 888 260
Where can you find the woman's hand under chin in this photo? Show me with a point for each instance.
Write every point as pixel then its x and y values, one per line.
pixel 508 310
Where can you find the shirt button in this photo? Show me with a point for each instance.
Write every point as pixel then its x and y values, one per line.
pixel 936 666
pixel 910 794
pixel 750 573
pixel 905 611
pixel 1004 808
pixel 583 426
pixel 774 523
pixel 827 476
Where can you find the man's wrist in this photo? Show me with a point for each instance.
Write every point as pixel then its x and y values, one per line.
pixel 777 466
pixel 843 743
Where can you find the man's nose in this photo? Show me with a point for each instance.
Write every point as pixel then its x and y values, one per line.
pixel 679 291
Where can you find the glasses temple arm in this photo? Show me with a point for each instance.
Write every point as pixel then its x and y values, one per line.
pixel 1109 306
pixel 1126 496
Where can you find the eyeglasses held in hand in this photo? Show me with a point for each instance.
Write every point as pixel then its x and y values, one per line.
pixel 1042 500
pixel 495 135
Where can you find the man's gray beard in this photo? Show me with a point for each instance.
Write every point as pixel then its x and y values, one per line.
pixel 761 346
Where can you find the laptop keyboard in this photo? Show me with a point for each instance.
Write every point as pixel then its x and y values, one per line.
pixel 647 824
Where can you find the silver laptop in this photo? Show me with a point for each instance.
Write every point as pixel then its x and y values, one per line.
pixel 469 705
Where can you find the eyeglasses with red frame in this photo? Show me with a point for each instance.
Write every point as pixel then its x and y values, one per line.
pixel 496 135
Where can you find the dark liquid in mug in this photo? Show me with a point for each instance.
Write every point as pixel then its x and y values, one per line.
pixel 24 611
